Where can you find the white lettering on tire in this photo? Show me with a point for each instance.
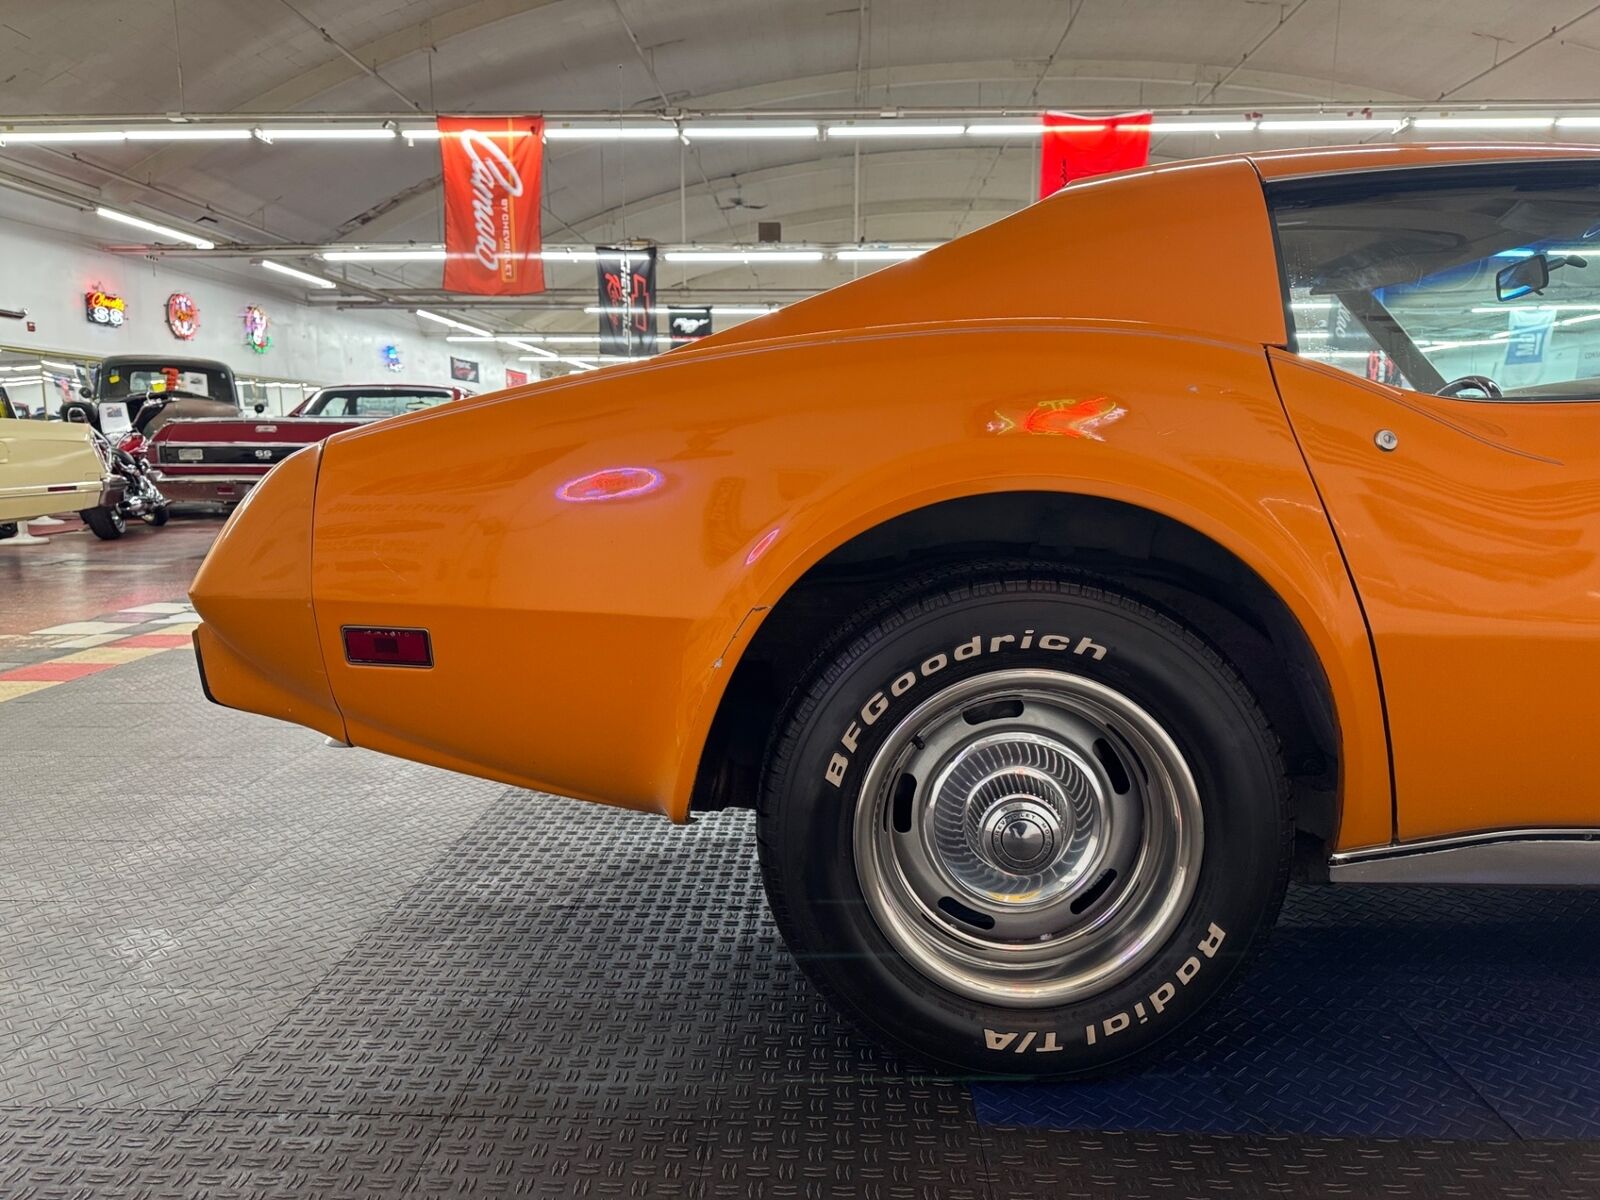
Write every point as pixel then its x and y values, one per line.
pixel 906 681
pixel 1043 1041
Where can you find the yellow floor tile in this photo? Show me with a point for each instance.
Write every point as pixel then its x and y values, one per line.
pixel 10 689
pixel 111 655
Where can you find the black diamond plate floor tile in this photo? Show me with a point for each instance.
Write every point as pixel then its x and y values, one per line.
pixel 312 972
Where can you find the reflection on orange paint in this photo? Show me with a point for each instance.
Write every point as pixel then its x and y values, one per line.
pixel 611 483
pixel 1061 418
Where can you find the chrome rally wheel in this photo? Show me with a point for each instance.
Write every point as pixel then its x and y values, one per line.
pixel 1028 837
pixel 1017 824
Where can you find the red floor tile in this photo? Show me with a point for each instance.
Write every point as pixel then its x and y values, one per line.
pixel 57 672
pixel 154 639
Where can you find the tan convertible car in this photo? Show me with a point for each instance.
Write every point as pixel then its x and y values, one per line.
pixel 50 467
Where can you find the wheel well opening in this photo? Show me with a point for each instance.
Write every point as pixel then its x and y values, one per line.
pixel 1193 578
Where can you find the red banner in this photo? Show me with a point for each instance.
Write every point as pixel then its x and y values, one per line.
pixel 1074 147
pixel 492 167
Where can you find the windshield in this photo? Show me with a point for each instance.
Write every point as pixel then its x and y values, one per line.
pixel 1442 282
pixel 379 402
pixel 120 380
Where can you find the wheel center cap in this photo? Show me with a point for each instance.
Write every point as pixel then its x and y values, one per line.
pixel 1021 835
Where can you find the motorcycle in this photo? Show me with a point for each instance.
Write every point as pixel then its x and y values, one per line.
pixel 141 498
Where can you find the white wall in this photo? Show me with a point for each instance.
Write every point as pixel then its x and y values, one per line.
pixel 47 271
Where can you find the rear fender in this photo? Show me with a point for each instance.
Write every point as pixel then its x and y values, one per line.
pixel 593 557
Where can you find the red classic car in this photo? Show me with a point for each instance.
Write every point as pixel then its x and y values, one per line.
pixel 218 459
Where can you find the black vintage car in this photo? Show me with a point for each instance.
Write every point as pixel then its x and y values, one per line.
pixel 192 387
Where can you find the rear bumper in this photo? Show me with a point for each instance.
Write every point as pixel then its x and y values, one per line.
pixel 205 489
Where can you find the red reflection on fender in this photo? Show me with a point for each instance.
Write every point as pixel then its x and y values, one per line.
pixel 610 483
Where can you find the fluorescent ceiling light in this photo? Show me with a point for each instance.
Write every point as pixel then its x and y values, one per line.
pixel 1310 305
pixel 64 366
pixel 745 256
pixel 1493 309
pixel 1482 122
pixel 717 310
pixel 570 339
pixel 199 243
pixel 1579 320
pixel 1006 129
pixel 382 255
pixel 451 322
pixel 1202 126
pixel 610 133
pixel 51 136
pixel 883 255
pixel 325 133
pixel 895 129
pixel 1588 122
pixel 752 132
pixel 568 255
pixel 303 276
pixel 1334 125
pixel 190 133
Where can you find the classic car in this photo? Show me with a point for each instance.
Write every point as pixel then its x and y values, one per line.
pixel 192 387
pixel 217 460
pixel 48 467
pixel 1050 597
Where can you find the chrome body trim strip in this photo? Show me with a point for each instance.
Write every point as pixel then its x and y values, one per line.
pixel 1510 857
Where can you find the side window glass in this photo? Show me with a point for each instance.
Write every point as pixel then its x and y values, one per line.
pixel 1482 284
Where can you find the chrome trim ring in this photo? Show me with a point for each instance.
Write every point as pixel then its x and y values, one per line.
pixel 1028 837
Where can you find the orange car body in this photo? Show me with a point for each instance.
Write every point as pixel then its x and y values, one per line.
pixel 592 555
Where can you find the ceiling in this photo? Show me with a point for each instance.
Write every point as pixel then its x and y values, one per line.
pixel 87 57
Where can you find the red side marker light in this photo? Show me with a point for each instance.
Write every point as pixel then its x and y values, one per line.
pixel 371 647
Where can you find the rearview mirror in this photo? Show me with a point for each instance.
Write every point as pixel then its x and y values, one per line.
pixel 1531 274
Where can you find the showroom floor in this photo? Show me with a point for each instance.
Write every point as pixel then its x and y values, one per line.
pixel 235 960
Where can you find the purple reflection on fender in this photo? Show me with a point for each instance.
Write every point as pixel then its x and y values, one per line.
pixel 762 546
pixel 610 483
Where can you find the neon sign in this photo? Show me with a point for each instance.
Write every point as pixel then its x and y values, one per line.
pixel 256 325
pixel 104 308
pixel 183 316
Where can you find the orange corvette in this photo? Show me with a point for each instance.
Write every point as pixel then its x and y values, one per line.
pixel 1050 597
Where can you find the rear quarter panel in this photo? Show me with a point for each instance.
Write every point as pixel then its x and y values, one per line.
pixel 581 646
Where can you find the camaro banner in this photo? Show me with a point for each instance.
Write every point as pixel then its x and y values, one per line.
pixel 627 286
pixel 492 168
pixel 1074 147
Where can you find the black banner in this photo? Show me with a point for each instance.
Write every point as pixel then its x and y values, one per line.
pixel 464 369
pixel 688 324
pixel 627 280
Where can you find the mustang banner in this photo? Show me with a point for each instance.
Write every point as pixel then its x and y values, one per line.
pixel 627 283
pixel 688 324
pixel 492 168
pixel 1074 147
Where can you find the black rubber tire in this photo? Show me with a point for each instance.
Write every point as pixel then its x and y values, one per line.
pixel 804 821
pixel 107 524
pixel 158 516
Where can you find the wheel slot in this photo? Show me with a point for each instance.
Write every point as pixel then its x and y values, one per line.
pixel 970 916
pixel 996 710
pixel 1129 754
pixel 1115 771
pixel 905 791
pixel 1096 890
